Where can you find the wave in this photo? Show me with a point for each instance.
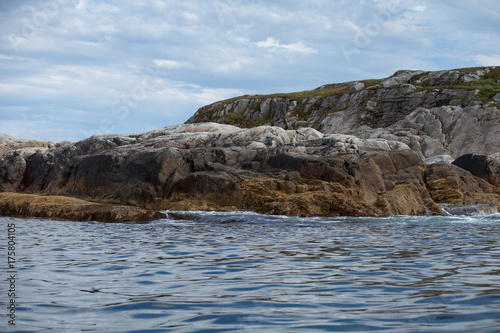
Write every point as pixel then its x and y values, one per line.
pixel 470 210
pixel 454 214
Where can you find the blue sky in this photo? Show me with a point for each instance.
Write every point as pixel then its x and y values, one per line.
pixel 74 68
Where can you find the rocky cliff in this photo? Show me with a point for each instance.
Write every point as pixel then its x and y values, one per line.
pixel 452 112
pixel 266 169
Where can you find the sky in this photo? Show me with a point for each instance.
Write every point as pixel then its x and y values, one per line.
pixel 70 69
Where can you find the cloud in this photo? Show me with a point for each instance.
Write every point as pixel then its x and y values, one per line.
pixel 274 44
pixel 171 63
pixel 488 60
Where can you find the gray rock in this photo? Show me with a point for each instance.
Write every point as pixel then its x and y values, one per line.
pixel 442 121
pixel 9 143
pixel 400 78
pixel 356 86
pixel 438 159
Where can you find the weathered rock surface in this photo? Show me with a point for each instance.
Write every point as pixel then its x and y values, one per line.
pixel 17 204
pixel 210 166
pixel 9 143
pixel 450 184
pixel 451 112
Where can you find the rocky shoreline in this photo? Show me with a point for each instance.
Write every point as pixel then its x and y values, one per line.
pixel 398 163
pixel 60 207
pixel 266 169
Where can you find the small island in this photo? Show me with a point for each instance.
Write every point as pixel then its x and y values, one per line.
pixel 404 145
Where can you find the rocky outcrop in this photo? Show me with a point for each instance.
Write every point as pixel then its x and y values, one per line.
pixel 210 166
pixel 450 184
pixel 364 148
pixel 16 204
pixel 9 143
pixel 435 113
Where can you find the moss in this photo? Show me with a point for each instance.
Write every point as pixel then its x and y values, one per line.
pixel 263 122
pixel 231 118
pixel 299 110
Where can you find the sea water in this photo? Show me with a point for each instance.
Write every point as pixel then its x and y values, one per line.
pixel 245 272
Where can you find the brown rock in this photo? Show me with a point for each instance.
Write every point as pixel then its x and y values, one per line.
pixel 450 184
pixel 30 205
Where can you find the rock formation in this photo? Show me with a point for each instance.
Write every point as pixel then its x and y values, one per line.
pixel 17 204
pixel 435 113
pixel 367 148
pixel 9 143
pixel 486 167
pixel 268 169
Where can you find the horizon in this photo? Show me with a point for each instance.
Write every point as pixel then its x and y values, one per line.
pixel 72 69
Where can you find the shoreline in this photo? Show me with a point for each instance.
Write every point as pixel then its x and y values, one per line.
pixel 78 210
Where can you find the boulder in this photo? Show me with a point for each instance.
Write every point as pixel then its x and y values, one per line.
pixel 485 167
pixel 438 158
pixel 356 86
pixel 448 183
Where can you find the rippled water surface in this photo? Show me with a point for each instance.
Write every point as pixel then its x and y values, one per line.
pixel 246 272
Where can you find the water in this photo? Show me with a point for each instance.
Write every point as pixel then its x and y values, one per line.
pixel 247 272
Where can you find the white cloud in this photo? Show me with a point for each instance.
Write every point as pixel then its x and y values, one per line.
pixel 81 4
pixel 419 8
pixel 171 63
pixel 274 44
pixel 488 60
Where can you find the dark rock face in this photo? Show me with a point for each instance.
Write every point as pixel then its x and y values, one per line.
pixel 209 166
pixel 486 167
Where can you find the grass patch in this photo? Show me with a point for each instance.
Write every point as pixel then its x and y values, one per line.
pixel 486 94
pixel 372 82
pixel 231 118
pixel 266 121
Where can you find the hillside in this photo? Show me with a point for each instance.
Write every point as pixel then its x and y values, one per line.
pixel 450 112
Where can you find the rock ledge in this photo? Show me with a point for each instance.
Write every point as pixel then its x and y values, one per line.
pixel 30 205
